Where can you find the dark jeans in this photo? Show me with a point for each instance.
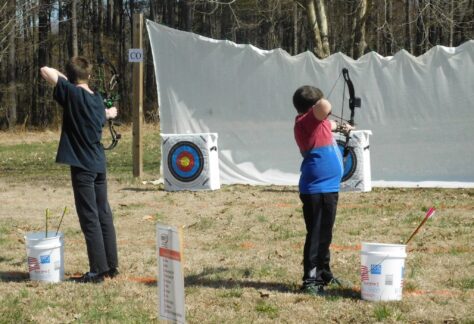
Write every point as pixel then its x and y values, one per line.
pixel 319 211
pixel 95 217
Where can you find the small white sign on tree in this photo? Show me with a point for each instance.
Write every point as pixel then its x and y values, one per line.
pixel 135 55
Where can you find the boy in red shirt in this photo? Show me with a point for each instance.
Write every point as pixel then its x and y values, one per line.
pixel 321 173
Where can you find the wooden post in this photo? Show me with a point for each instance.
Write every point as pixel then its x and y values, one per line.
pixel 137 101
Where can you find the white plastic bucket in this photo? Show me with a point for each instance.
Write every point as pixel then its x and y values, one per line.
pixel 45 256
pixel 381 271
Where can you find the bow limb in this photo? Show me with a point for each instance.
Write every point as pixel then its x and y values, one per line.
pixel 353 103
pixel 353 100
pixel 109 82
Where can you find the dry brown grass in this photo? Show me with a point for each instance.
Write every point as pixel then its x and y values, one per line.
pixel 243 251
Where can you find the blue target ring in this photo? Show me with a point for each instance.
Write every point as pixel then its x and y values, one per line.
pixel 185 161
pixel 350 160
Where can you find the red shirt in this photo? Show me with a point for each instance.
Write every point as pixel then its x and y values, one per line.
pixel 321 169
pixel 312 133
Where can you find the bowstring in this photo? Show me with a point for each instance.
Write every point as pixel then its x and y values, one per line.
pixel 343 101
pixel 341 119
pixel 334 86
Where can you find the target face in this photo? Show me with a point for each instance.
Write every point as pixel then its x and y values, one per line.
pixel 185 161
pixel 350 160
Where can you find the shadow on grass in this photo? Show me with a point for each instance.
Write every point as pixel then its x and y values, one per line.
pixel 205 279
pixel 14 276
pixel 347 293
pixel 283 190
pixel 195 280
pixel 212 277
pixel 143 189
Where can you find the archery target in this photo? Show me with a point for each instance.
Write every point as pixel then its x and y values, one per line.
pixel 190 161
pixel 185 161
pixel 349 160
pixel 356 175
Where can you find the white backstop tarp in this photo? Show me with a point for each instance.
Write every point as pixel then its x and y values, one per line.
pixel 419 109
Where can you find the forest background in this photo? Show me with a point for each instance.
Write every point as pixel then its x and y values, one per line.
pixel 35 33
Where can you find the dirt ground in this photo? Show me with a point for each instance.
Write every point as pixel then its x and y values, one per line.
pixel 242 251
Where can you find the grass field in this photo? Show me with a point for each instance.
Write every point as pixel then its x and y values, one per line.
pixel 242 247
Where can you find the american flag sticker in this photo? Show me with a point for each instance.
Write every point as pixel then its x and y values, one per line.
pixel 33 264
pixel 364 273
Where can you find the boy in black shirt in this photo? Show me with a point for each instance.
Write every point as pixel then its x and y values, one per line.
pixel 84 116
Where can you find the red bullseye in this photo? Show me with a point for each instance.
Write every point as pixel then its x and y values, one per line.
pixel 185 161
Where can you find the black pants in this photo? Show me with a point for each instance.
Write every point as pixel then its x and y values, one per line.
pixel 95 218
pixel 319 211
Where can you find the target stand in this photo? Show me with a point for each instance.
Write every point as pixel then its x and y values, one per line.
pixel 190 161
pixel 356 159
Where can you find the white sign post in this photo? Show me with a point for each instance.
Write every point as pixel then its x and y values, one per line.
pixel 170 274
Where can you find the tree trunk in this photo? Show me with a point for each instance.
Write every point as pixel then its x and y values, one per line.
pixel 28 99
pixel 169 14
pixel 228 24
pixel 359 32
pixel 109 16
pixel 100 22
pixel 422 24
pixel 97 31
pixel 40 113
pixel 314 28
pixel 428 26
pixel 451 23
pixel 117 17
pixel 12 115
pixel 295 28
pixel 388 37
pixel 188 15
pixel 408 28
pixel 465 13
pixel 378 46
pixel 74 37
pixel 323 24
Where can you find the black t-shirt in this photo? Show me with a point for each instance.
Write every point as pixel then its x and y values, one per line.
pixel 81 133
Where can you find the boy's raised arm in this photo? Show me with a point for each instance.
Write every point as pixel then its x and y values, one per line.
pixel 321 109
pixel 51 75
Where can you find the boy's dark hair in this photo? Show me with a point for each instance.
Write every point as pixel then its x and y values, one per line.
pixel 305 97
pixel 78 69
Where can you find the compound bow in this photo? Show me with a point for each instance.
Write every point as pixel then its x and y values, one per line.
pixel 354 102
pixel 108 88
